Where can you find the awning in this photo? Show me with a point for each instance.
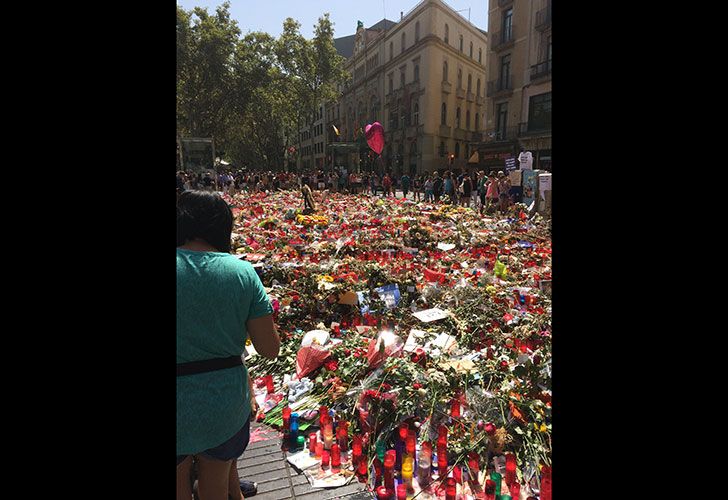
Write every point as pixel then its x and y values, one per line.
pixel 475 158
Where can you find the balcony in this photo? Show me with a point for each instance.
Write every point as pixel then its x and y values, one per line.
pixel 446 87
pixel 503 39
pixel 502 86
pixel 460 93
pixel 444 131
pixel 413 131
pixel 524 131
pixel 503 3
pixel 506 134
pixel 541 70
pixel 480 100
pixel 543 19
pixel 413 87
pixel 470 97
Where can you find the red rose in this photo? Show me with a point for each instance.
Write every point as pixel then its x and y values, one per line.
pixel 331 365
pixel 490 428
pixel 347 351
pixel 417 385
pixel 504 365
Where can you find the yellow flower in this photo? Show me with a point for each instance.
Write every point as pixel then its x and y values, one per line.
pixel 328 278
pixel 543 428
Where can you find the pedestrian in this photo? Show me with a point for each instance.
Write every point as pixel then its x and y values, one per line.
pixel 405 183
pixel 429 194
pixel 437 187
pixel 481 190
pixel 504 188
pixel 492 192
pixel 417 187
pixel 386 185
pixel 221 303
pixel 449 187
pixel 466 188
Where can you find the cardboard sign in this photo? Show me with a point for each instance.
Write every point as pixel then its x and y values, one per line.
pixel 431 315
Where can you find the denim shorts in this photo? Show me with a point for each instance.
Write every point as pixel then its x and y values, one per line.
pixel 230 449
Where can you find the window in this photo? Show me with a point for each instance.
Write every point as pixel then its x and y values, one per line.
pixel 403 43
pixel 391 84
pixel 391 50
pixel 417 31
pixel 416 115
pixel 548 49
pixel 471 50
pixel 507 25
pixel 505 72
pixel 457 150
pixel 401 79
pixel 467 120
pixel 461 43
pixel 457 118
pixel 477 123
pixel 447 34
pixel 470 83
pixel 501 116
pixel 442 149
pixel 444 71
pixel 480 56
pixel 443 114
pixel 539 112
pixel 417 73
pixel 477 88
pixel 460 78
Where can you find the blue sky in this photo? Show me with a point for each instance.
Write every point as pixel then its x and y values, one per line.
pixel 268 16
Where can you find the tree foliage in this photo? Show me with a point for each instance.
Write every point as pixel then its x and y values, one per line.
pixel 251 93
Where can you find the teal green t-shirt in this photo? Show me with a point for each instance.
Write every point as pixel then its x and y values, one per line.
pixel 217 293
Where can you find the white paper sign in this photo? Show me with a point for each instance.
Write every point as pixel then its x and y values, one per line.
pixel 431 315
pixel 414 339
pixel 445 246
pixel 303 460
pixel 320 336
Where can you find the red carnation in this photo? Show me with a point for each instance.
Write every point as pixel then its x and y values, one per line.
pixel 331 365
pixel 490 428
pixel 417 385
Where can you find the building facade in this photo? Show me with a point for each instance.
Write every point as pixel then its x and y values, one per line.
pixel 313 144
pixel 519 83
pixel 424 80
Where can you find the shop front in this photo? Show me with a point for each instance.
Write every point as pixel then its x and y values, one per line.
pixel 493 156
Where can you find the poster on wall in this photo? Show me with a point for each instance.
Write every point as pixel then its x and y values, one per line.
pixel 529 178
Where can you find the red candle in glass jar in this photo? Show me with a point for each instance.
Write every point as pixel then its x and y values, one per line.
pixel 401 491
pixel 355 450
pixel 361 469
pixel 455 408
pixel 323 413
pixel 451 489
pixel 403 430
pixel 389 471
pixel 335 456
pixel 411 443
pixel 287 418
pixel 489 489
pixel 510 468
pixel 441 461
pixel 319 449
pixel 325 459
pixel 383 493
pixel 342 435
pixel 312 443
pixel 474 465
pixel 457 474
pixel 545 483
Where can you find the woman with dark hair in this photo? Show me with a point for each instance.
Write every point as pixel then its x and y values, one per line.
pixel 220 303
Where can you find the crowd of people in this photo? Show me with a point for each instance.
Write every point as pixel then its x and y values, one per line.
pixel 484 192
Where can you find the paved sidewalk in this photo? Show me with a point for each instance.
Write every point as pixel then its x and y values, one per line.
pixel 265 463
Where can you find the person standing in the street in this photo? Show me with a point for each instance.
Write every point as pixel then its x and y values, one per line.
pixel 405 183
pixel 437 187
pixel 492 193
pixel 449 187
pixel 387 185
pixel 466 187
pixel 504 188
pixel 429 194
pixel 417 187
pixel 481 189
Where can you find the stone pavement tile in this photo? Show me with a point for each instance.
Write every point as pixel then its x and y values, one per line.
pixel 329 493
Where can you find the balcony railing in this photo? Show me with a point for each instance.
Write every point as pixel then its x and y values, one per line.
pixel 541 69
pixel 460 134
pixel 523 130
pixel 500 85
pixel 502 39
pixel 470 97
pixel 413 87
pixel 446 87
pixel 543 19
pixel 505 134
pixel 460 93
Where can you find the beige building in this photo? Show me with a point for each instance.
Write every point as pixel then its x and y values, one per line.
pixel 313 145
pixel 519 83
pixel 424 80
